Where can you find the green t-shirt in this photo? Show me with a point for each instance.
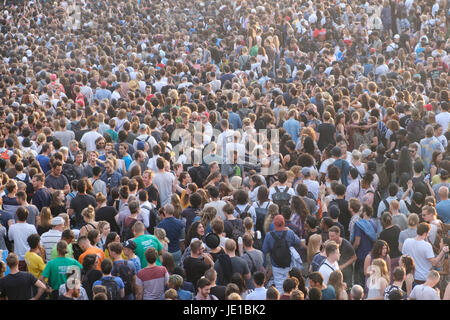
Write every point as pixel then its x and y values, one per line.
pixel 56 271
pixel 143 243
pixel 54 253
pixel 113 134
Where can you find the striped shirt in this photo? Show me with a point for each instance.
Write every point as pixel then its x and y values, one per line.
pixel 48 241
pixel 153 281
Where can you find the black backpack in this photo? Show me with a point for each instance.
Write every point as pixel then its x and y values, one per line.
pixel 122 270
pixel 127 232
pixel 155 219
pixel 238 229
pixel 69 172
pixel 281 253
pixel 281 198
pixel 260 217
pixel 112 288
pixel 245 213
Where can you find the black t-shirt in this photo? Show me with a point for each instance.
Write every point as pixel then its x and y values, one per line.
pixel 391 236
pixel 346 250
pixel 57 183
pixel 344 216
pixel 18 286
pixel 63 297
pixel 78 204
pixel 153 195
pixel 219 292
pixel 229 225
pixel 108 214
pixel 195 269
pixel 88 280
pixel 326 131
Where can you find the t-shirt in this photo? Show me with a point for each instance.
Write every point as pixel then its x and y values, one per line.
pixel 365 244
pixel 57 183
pixel 54 252
pixel 327 268
pixel 174 231
pixel 195 268
pixel 93 250
pixel 406 234
pixel 78 204
pixel 42 198
pixel 34 263
pixel 238 265
pixel 420 251
pixel 153 281
pixel 347 251
pixel 400 220
pixel 18 286
pixel 163 181
pixel 423 292
pixel 144 242
pixel 391 236
pixel 326 131
pixel 329 293
pixel 56 270
pixel 48 241
pixel 19 233
pixel 108 214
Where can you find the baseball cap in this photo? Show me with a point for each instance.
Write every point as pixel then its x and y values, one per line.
pixel 306 172
pixel 56 221
pixel 212 240
pixel 396 36
pixel 130 244
pixel 278 222
pixel 428 107
pixel 141 145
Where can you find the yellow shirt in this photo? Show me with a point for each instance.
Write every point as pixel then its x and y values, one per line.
pixel 34 263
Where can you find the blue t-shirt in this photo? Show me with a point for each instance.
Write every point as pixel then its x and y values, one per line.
pixel 329 293
pixel 137 263
pixel 44 162
pixel 291 237
pixel 443 210
pixel 174 231
pixel 118 280
pixel 365 244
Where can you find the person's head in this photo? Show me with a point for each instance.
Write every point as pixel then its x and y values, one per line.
pixel 88 213
pixel 230 246
pixel 259 279
pixel 203 287
pixel 22 214
pixel 211 275
pixel 175 282
pixel 398 274
pixel 316 280
pixel 12 260
pixel 106 266
pixel 151 255
pixel 289 285
pixel 332 251
pixel 380 249
pixel 115 249
pixel 429 213
pixel 422 229
pixel 334 234
pixel 138 229
pixel 357 292
pixel 33 241
pixel 272 294
pixel 61 248
pixel 443 193
pixel 413 220
pixel 386 219
pixel 315 294
pixel 433 278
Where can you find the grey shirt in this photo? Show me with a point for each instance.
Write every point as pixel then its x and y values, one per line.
pixel 64 136
pixel 406 234
pixel 2 238
pixel 401 221
pixel 238 265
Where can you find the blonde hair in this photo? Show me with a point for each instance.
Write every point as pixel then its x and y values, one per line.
pixel 272 211
pixel 46 217
pixel 161 235
pixel 236 182
pixel 336 279
pixel 88 212
pixel 381 264
pixel 313 246
pixel 66 218
pixel 101 225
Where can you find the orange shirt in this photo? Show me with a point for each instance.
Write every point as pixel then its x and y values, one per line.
pixel 93 250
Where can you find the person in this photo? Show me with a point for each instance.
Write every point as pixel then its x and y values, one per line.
pixel 42 196
pixel 347 254
pixel 175 231
pixel 164 181
pixel 56 270
pixel 124 269
pixel 229 263
pixel 398 277
pixel 198 262
pixel 144 242
pixel 151 279
pixel 81 201
pixel 422 253
pixel 288 286
pixel 33 258
pixel 357 292
pixel 55 180
pixel 410 232
pixel 18 234
pixel 204 290
pixel 426 290
pixel 378 280
pixel 50 238
pixel 277 244
pixel 175 283
pixel 443 206
pixel 331 262
pixel 259 293
pixel 72 290
pixel 336 280
pixel 115 288
pixel 316 281
pixel 216 290
pixel 18 285
pixel 89 274
pixel 88 248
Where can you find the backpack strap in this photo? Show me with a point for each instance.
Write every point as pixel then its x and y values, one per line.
pixel 286 189
pixel 324 263
pixel 247 208
pixel 276 189
pixel 253 262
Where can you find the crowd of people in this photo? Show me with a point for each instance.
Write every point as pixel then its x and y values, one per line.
pixel 224 150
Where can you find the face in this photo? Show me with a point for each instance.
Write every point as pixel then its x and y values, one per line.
pixel 333 236
pixel 57 171
pixel 201 230
pixel 106 229
pixel 428 217
pixel 108 168
pixel 122 150
pixel 108 148
pixel 384 251
pixel 204 292
pixel 92 157
pixel 146 178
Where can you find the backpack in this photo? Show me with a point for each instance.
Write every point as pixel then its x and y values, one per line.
pixel 124 272
pixel 238 229
pixel 281 198
pixel 382 175
pixel 154 219
pixel 112 288
pixel 127 232
pixel 280 252
pixel 69 172
pixel 260 217
pixel 244 214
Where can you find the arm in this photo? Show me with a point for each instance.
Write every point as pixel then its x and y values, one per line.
pixel 139 292
pixel 41 289
pixel 367 262
pixel 349 262
pixel 356 243
pixel 435 261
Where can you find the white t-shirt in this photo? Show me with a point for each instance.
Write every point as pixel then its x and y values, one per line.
pixel 420 251
pixel 281 188
pixel 89 140
pixel 19 233
pixel 422 292
pixel 443 119
pixel 327 268
pixel 163 181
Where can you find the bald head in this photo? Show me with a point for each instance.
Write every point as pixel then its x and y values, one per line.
pixel 169 209
pixel 357 292
pixel 443 193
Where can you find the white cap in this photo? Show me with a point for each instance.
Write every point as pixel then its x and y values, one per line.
pixel 396 36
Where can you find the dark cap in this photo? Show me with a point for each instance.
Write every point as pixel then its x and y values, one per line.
pixel 212 240
pixel 336 151
pixel 130 244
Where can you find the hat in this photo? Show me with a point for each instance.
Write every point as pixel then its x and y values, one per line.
pixel 306 172
pixel 103 84
pixel 141 145
pixel 428 107
pixel 212 240
pixel 333 211
pixel 396 36
pixel 130 244
pixel 56 221
pixel 336 151
pixel 142 126
pixel 278 222
pixel 244 100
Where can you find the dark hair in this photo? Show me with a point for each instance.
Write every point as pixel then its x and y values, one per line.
pixel 106 266
pixel 316 277
pixel 151 255
pixel 297 273
pixel 289 285
pixel 33 240
pixel 203 282
pixel 377 249
pixel 315 294
pixel 259 278
pixel 423 228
